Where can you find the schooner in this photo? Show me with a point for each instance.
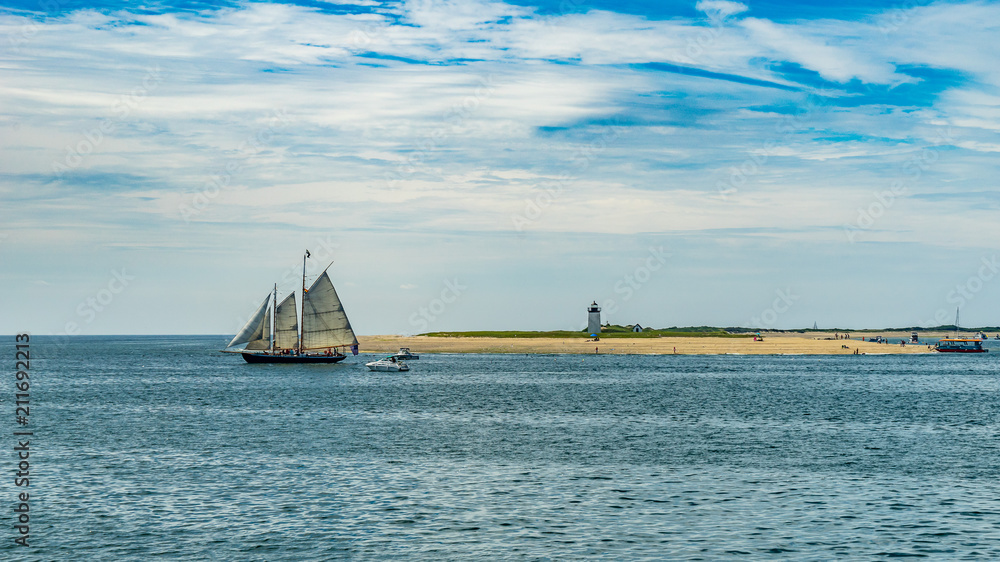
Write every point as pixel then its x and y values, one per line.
pixel 274 334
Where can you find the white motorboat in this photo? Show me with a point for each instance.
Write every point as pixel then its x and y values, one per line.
pixel 389 364
pixel 405 353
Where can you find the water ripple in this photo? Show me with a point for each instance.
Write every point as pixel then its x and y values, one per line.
pixel 171 450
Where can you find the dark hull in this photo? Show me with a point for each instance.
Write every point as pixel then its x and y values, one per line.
pixel 939 350
pixel 264 358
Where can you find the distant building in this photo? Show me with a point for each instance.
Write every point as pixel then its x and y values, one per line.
pixel 636 328
pixel 593 318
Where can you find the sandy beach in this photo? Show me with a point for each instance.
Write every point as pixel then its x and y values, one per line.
pixel 772 345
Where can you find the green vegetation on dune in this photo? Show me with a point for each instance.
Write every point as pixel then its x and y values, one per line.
pixel 615 331
pixel 606 333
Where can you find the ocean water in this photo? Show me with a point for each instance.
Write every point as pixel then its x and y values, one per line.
pixel 160 447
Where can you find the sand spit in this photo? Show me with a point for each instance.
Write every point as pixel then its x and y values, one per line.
pixel 777 345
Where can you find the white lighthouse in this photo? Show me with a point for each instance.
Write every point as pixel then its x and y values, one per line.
pixel 593 318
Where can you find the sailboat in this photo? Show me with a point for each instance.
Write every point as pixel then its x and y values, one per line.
pixel 274 334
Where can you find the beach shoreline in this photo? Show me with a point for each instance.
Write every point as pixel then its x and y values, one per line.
pixel 772 344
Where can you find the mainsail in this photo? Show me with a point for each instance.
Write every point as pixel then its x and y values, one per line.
pixel 324 322
pixel 254 328
pixel 286 324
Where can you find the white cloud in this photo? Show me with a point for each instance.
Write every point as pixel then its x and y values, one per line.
pixel 720 9
pixel 459 15
pixel 833 62
pixel 353 2
pixel 465 141
pixel 979 146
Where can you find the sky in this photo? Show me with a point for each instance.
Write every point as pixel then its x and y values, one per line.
pixel 499 165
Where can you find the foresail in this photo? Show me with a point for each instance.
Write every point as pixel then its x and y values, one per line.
pixel 324 322
pixel 286 324
pixel 264 341
pixel 253 329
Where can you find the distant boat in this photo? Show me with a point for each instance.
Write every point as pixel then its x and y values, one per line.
pixel 960 345
pixel 389 364
pixel 273 335
pixel 404 353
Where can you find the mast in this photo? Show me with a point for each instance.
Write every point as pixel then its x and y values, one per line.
pixel 274 317
pixel 301 334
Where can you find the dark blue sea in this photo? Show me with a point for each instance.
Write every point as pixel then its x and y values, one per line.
pixel 163 448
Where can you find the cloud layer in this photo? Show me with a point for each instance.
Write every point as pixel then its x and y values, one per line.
pixel 166 128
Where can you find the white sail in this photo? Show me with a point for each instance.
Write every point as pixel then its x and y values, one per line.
pixel 254 327
pixel 286 324
pixel 324 322
pixel 264 341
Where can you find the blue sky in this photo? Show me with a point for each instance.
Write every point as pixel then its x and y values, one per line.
pixel 682 163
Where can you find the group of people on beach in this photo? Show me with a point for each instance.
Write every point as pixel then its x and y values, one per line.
pixel 837 336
